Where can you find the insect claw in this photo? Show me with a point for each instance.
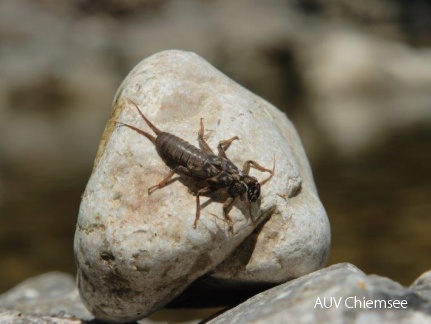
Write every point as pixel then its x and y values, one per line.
pixel 284 196
pixel 152 189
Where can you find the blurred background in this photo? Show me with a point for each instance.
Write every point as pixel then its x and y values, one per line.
pixel 353 76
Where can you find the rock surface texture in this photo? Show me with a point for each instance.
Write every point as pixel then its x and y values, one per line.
pixel 53 298
pixel 136 252
pixel 312 298
pixel 48 298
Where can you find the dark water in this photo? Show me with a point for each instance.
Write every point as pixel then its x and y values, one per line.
pixel 37 225
pixel 379 207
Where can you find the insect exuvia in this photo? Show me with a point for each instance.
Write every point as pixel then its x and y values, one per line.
pixel 217 171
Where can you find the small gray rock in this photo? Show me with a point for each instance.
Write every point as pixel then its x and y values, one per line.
pixel 137 252
pixel 422 286
pixel 313 298
pixel 15 317
pixel 53 295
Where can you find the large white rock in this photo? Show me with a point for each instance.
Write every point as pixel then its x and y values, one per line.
pixel 137 252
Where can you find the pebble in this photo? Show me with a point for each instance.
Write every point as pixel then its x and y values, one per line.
pixel 136 252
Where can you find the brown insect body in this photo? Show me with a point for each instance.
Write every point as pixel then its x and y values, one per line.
pixel 176 152
pixel 218 171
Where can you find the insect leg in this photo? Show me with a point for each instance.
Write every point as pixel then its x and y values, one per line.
pixel 166 179
pixel 203 191
pixel 202 143
pixel 254 164
pixel 162 183
pixel 226 209
pixel 224 145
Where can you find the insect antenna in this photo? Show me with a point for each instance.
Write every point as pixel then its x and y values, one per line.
pixel 154 128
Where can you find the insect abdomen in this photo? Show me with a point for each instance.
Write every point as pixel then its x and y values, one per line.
pixel 175 151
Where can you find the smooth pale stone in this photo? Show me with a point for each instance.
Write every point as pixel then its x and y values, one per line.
pixel 340 293
pixel 137 252
pixel 52 294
